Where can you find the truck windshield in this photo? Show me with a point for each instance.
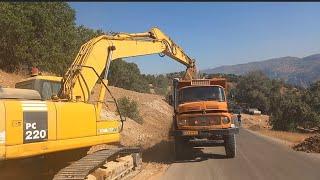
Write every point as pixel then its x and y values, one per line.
pixel 201 93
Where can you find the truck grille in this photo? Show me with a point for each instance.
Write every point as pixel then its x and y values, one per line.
pixel 204 121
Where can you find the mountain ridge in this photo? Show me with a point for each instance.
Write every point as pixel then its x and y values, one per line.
pixel 293 70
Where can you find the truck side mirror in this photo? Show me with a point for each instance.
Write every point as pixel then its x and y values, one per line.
pixel 170 100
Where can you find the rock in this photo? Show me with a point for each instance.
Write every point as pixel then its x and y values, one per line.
pixel 310 144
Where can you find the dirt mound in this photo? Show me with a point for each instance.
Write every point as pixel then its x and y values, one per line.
pixel 9 79
pixel 151 134
pixel 255 122
pixel 156 114
pixel 157 118
pixel 309 145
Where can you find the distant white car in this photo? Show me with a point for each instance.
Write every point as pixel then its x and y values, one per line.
pixel 254 111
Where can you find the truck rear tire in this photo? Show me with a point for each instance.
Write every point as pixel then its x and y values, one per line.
pixel 230 145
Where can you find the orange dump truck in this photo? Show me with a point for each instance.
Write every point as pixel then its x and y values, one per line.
pixel 201 116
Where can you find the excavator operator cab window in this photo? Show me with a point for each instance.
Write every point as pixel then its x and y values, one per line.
pixel 45 88
pixel 48 89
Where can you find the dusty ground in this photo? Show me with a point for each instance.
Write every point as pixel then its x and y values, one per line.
pixel 8 79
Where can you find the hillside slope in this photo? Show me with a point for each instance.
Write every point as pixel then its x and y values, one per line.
pixel 156 114
pixel 296 71
pixel 9 79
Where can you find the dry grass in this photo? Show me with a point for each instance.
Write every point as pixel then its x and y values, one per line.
pixel 291 137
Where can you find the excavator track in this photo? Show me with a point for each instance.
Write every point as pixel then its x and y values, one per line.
pixel 80 169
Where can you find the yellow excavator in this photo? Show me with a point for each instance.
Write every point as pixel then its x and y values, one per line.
pixel 47 114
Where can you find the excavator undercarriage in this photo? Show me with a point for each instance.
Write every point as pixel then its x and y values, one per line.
pixel 95 165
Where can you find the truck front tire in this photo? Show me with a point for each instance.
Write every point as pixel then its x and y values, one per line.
pixel 230 145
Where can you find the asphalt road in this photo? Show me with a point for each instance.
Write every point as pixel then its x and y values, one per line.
pixel 257 158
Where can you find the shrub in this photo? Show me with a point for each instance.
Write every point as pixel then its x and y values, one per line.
pixel 129 108
pixel 291 111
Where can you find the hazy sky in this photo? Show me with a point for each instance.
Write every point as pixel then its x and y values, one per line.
pixel 214 33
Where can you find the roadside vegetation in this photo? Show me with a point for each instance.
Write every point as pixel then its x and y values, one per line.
pixel 40 34
pixel 289 107
pixel 129 108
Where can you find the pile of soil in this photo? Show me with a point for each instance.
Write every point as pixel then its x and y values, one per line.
pixel 255 122
pixel 157 119
pixel 9 79
pixel 156 114
pixel 309 145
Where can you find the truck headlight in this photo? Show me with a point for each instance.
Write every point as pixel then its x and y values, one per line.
pixel 182 122
pixel 225 120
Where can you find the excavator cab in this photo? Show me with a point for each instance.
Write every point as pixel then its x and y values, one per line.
pixel 47 86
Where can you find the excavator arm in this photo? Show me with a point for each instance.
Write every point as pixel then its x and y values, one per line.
pixel 95 56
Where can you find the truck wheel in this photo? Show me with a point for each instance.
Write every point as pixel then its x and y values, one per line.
pixel 180 148
pixel 230 145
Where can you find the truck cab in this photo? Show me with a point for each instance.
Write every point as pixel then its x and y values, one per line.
pixel 201 115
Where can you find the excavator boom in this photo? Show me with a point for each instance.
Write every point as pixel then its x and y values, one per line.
pixel 95 56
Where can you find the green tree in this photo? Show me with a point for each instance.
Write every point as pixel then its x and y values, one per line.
pixel 290 110
pixel 161 84
pixel 254 89
pixel 129 108
pixel 84 34
pixel 127 75
pixel 313 96
pixel 37 34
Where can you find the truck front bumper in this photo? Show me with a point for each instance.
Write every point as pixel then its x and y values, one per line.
pixel 206 133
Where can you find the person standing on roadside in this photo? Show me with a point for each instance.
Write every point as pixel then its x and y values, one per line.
pixel 239 118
